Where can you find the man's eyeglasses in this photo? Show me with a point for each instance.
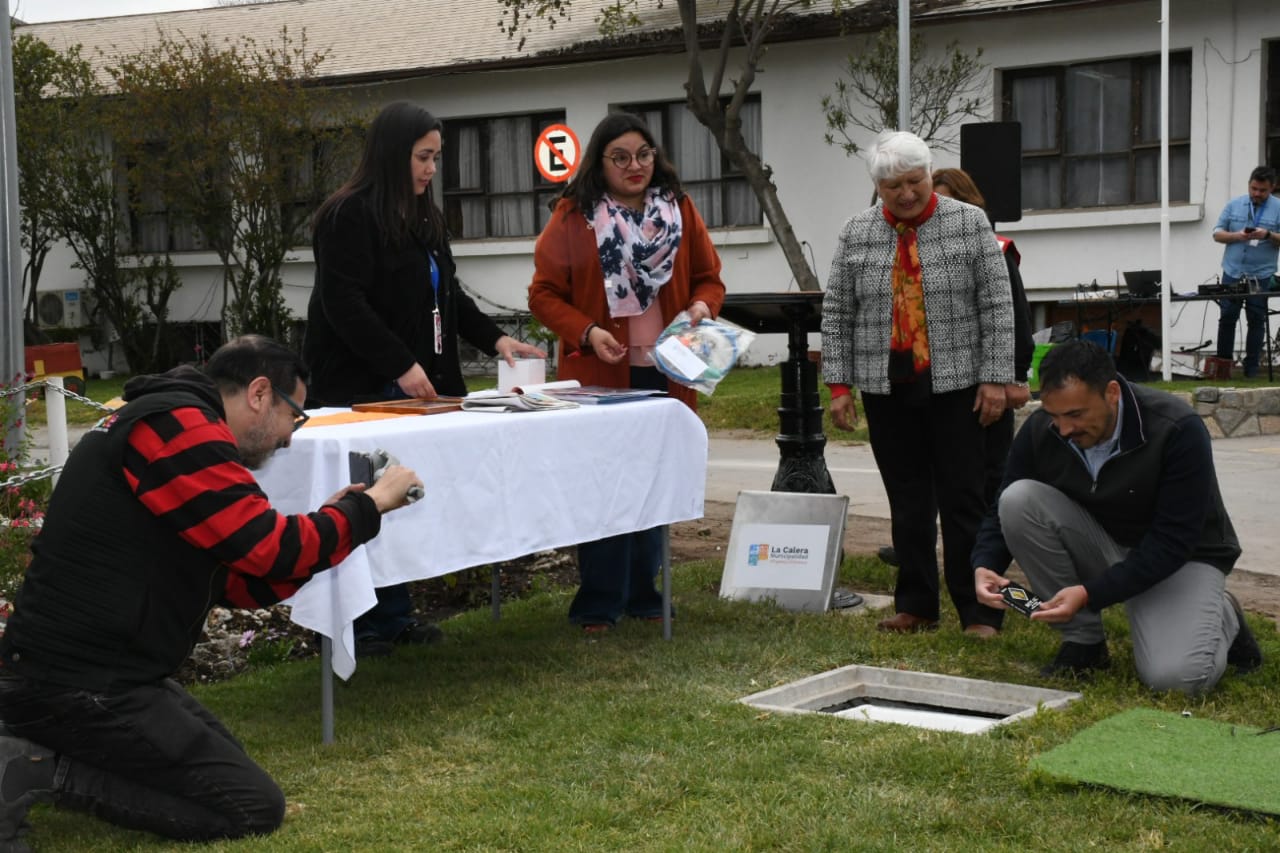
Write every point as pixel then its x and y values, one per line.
pixel 299 416
pixel 622 159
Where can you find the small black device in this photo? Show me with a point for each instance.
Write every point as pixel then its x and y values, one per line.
pixel 1021 599
pixel 1142 283
pixel 1249 229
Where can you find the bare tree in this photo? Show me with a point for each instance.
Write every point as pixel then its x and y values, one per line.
pixel 944 90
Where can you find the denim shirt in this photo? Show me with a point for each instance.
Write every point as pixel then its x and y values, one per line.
pixel 1245 259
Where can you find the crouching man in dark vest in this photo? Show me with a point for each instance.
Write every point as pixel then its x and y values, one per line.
pixel 1110 496
pixel 157 518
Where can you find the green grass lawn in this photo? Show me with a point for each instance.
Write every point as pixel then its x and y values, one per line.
pixel 521 735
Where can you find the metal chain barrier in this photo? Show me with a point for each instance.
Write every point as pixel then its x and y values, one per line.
pixel 43 473
pixel 32 477
pixel 22 389
pixel 72 395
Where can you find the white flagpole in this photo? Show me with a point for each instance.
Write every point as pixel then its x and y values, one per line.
pixel 1165 288
pixel 904 64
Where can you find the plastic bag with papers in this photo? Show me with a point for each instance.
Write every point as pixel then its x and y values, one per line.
pixel 699 356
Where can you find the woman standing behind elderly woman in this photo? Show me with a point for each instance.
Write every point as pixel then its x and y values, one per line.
pixel 917 317
pixel 956 183
pixel 624 252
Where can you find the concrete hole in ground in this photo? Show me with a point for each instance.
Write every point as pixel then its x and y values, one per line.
pixel 920 699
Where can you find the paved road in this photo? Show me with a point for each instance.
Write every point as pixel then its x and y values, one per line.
pixel 1248 473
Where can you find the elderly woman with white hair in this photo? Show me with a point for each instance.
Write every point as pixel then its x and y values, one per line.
pixel 917 317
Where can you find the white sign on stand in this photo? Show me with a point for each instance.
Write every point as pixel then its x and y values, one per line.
pixel 785 547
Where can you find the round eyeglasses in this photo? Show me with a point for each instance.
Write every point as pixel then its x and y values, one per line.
pixel 622 159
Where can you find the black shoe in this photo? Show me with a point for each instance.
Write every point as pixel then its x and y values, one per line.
pixel 1244 654
pixel 26 778
pixel 419 634
pixel 1078 660
pixel 887 555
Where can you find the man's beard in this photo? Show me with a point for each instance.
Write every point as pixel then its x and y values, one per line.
pixel 257 447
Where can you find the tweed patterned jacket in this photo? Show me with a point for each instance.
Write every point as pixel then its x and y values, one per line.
pixel 968 308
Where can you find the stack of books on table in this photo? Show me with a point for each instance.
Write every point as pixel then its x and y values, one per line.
pixel 564 394
pixel 598 395
pixel 528 399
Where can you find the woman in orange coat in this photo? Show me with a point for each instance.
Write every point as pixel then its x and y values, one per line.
pixel 624 253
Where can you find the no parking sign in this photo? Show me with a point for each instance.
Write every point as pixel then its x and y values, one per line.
pixel 556 153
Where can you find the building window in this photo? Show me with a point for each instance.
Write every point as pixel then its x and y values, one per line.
pixel 719 191
pixel 1091 131
pixel 153 225
pixel 491 186
pixel 319 164
pixel 1273 104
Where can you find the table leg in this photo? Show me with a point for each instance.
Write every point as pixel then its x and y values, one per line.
pixel 495 594
pixel 666 582
pixel 326 689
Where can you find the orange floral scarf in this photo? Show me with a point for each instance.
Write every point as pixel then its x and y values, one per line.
pixel 909 342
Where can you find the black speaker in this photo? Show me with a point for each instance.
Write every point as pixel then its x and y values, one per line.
pixel 991 152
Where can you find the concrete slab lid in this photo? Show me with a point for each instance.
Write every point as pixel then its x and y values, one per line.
pixel 991 703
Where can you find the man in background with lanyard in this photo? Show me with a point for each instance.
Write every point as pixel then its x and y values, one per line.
pixel 1250 228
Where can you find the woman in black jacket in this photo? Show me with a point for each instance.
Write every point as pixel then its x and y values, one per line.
pixel 387 311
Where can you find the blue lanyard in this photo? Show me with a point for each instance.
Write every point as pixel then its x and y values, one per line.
pixel 435 278
pixel 1255 213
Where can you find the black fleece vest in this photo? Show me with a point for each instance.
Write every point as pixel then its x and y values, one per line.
pixel 113 597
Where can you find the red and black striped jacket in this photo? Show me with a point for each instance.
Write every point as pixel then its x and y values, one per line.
pixel 154 521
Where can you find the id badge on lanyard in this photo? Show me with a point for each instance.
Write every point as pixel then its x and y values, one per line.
pixel 1255 216
pixel 436 324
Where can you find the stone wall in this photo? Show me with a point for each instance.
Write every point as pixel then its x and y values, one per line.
pixel 1236 412
pixel 1227 412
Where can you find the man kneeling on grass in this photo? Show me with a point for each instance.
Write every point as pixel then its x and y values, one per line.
pixel 157 518
pixel 1110 496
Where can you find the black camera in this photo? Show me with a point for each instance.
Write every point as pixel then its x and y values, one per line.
pixel 368 467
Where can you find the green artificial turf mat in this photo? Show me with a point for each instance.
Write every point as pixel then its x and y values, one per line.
pixel 1157 752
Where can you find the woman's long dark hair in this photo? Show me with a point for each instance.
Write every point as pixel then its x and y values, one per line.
pixel 587 186
pixel 384 175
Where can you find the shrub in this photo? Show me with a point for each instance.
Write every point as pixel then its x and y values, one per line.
pixel 22 505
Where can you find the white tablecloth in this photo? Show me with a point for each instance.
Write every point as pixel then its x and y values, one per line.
pixel 498 486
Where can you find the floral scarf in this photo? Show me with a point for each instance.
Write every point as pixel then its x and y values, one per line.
pixel 637 250
pixel 909 342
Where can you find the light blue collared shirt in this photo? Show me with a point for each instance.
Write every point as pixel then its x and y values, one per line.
pixel 1094 457
pixel 1241 260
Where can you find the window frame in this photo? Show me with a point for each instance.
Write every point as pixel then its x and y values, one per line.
pixel 178 232
pixel 1133 152
pixel 730 175
pixel 1271 105
pixel 450 195
pixel 333 154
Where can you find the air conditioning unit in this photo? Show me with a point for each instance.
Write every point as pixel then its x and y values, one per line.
pixel 64 309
